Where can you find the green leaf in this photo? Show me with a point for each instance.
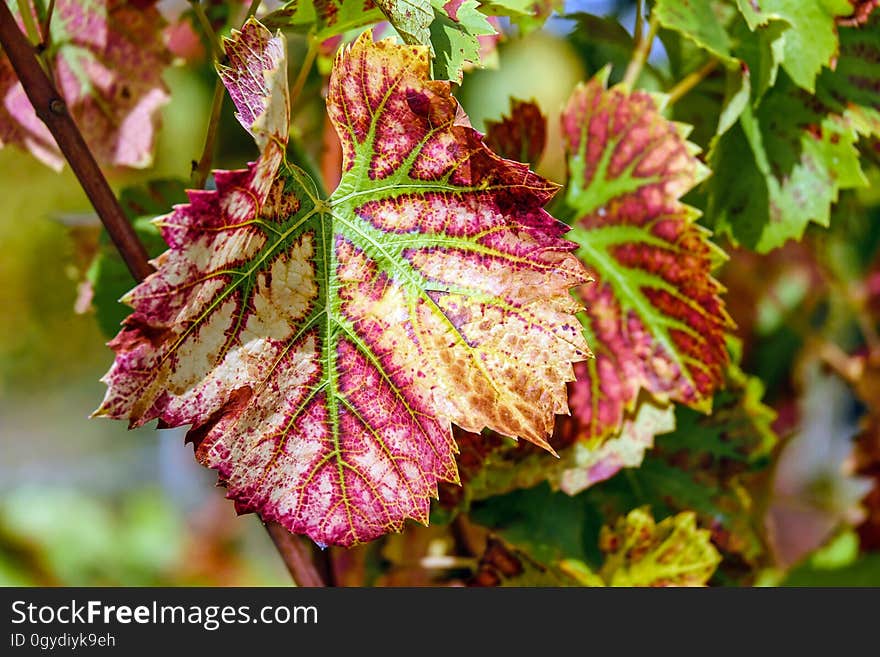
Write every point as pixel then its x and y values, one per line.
pixel 779 169
pixel 411 19
pixel 811 42
pixel 549 526
pixel 762 51
pixel 326 19
pixel 703 22
pixel 642 552
pixel 454 40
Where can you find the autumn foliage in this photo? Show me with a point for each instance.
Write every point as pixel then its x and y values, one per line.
pixel 608 378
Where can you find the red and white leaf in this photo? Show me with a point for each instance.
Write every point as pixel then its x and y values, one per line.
pixel 321 347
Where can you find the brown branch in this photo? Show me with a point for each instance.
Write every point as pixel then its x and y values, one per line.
pixel 296 555
pixel 52 110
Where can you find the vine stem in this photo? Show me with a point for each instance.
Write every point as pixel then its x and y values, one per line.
pixel 303 74
pixel 51 109
pixel 296 555
pixel 640 19
pixel 210 34
pixel 690 81
pixel 203 167
pixel 640 54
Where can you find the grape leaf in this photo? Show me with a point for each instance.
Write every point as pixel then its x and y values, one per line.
pixel 638 552
pixel 781 167
pixel 762 52
pixel 522 136
pixel 107 58
pixel 853 87
pixel 326 18
pixel 321 348
pixel 451 29
pixel 702 22
pixel 642 552
pixel 654 319
pixel 719 29
pixel 811 42
pixel 548 526
pixel 411 18
pixel 454 38
pixel 491 465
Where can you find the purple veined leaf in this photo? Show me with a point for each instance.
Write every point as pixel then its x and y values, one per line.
pixel 320 348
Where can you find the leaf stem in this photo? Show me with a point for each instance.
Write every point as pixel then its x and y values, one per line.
pixel 44 48
pixel 303 74
pixel 203 168
pixel 47 22
pixel 640 54
pixel 27 17
pixel 255 4
pixel 639 28
pixel 296 555
pixel 52 110
pixel 691 80
pixel 210 34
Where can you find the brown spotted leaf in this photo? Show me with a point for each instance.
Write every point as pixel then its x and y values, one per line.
pixel 107 59
pixel 320 348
